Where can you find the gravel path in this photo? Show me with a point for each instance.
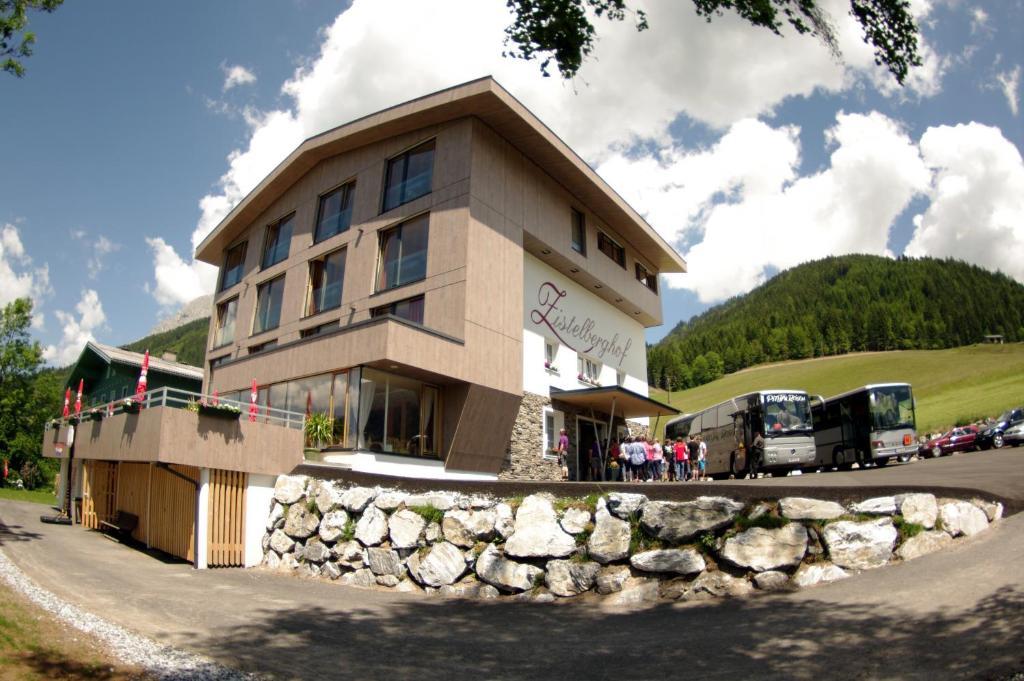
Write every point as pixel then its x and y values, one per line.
pixel 161 661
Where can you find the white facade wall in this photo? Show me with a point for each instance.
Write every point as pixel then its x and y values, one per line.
pixel 258 496
pixel 579 322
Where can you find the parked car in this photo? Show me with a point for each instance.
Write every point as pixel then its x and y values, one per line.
pixel 960 439
pixel 1014 435
pixel 994 435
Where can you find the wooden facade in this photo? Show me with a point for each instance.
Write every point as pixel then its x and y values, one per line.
pixel 226 536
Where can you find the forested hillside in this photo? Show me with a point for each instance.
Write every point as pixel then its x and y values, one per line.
pixel 187 341
pixel 838 305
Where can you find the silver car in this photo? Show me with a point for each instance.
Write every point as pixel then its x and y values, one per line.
pixel 1014 436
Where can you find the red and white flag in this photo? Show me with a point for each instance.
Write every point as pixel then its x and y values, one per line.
pixel 78 399
pixel 140 389
pixel 67 402
pixel 253 409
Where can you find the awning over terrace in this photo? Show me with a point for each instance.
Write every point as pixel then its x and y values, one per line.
pixel 614 400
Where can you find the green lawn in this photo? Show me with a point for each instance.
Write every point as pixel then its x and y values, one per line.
pixel 36 496
pixel 950 386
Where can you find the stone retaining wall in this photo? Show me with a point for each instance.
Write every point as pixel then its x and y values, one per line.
pixel 622 546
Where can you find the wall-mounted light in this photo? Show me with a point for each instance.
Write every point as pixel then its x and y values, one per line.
pixel 574 270
pixel 546 251
pixel 598 286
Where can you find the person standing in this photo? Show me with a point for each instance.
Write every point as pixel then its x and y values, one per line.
pixel 682 460
pixel 637 458
pixel 563 454
pixel 692 450
pixel 658 461
pixel 595 461
pixel 702 458
pixel 648 458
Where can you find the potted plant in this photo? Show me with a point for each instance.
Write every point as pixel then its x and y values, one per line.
pixel 95 414
pixel 130 406
pixel 319 429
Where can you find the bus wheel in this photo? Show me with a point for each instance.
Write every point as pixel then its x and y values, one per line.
pixel 881 462
pixel 839 460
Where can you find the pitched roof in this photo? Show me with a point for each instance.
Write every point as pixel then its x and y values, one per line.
pixel 485 99
pixel 110 354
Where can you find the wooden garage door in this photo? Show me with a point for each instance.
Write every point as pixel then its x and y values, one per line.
pixel 99 492
pixel 226 543
pixel 172 510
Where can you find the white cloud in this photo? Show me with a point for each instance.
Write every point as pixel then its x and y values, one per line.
pixel 977 199
pixel 979 20
pixel 177 281
pixel 632 88
pixel 237 75
pixel 76 331
pixel 98 249
pixel 1009 83
pixel 746 211
pixel 18 277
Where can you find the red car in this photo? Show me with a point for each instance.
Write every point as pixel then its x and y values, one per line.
pixel 960 439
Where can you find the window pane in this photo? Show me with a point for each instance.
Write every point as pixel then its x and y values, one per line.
pixel 414 251
pixel 579 232
pixel 411 309
pixel 335 212
pixel 234 265
pixel 326 279
pixel 226 314
pixel 419 172
pixel 390 251
pixel 339 400
pixel 268 305
pixel 409 176
pixel 279 239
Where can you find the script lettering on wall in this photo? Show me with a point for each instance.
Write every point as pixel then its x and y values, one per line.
pixel 579 334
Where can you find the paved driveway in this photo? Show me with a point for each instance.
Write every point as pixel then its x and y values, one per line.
pixel 953 615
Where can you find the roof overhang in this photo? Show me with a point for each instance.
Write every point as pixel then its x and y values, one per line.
pixel 614 400
pixel 486 100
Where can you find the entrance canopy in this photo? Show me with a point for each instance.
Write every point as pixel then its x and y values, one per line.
pixel 614 399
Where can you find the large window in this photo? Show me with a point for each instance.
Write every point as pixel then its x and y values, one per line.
pixel 226 314
pixel 611 249
pixel 409 176
pixel 411 309
pixel 403 254
pixel 279 239
pixel 268 305
pixel 334 214
pixel 326 276
pixel 589 370
pixel 234 266
pixel 397 415
pixel 579 232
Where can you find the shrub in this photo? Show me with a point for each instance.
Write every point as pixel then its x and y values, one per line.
pixel 348 533
pixel 706 543
pixel 31 476
pixel 906 530
pixel 429 513
pixel 767 521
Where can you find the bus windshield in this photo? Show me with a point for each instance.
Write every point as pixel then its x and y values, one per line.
pixel 892 407
pixel 786 413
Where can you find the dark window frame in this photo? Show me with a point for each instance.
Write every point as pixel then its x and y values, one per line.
pixel 256 312
pixel 578 218
pixel 618 252
pixel 382 242
pixel 224 285
pixel 311 290
pixel 391 309
pixel 647 278
pixel 403 157
pixel 290 221
pixel 349 189
pixel 219 325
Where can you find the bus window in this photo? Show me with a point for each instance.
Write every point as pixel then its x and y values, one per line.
pixel 696 425
pixel 725 412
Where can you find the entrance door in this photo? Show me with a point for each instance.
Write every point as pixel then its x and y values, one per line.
pixel 585 440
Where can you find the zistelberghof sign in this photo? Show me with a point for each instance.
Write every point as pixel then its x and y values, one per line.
pixel 577 333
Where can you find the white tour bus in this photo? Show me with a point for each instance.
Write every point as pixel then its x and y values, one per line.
pixel 781 417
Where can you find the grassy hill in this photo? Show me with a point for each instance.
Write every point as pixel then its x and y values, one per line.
pixel 950 386
pixel 838 305
pixel 188 341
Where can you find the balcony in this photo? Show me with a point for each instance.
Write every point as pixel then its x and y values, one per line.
pixel 178 427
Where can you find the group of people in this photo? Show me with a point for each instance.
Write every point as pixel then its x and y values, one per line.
pixel 643 459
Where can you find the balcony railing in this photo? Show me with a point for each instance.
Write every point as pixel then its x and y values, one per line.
pixel 181 399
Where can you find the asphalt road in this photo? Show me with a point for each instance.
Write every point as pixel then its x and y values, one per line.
pixel 958 614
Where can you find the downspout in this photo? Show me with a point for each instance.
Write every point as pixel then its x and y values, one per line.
pixel 195 530
pixel 68 492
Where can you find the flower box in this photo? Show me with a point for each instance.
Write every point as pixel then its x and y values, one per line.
pixel 220 411
pixel 95 415
pixel 130 406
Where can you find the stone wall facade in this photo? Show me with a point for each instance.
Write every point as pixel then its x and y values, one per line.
pixel 625 547
pixel 525 460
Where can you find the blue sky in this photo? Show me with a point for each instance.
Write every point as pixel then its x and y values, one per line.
pixel 127 140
